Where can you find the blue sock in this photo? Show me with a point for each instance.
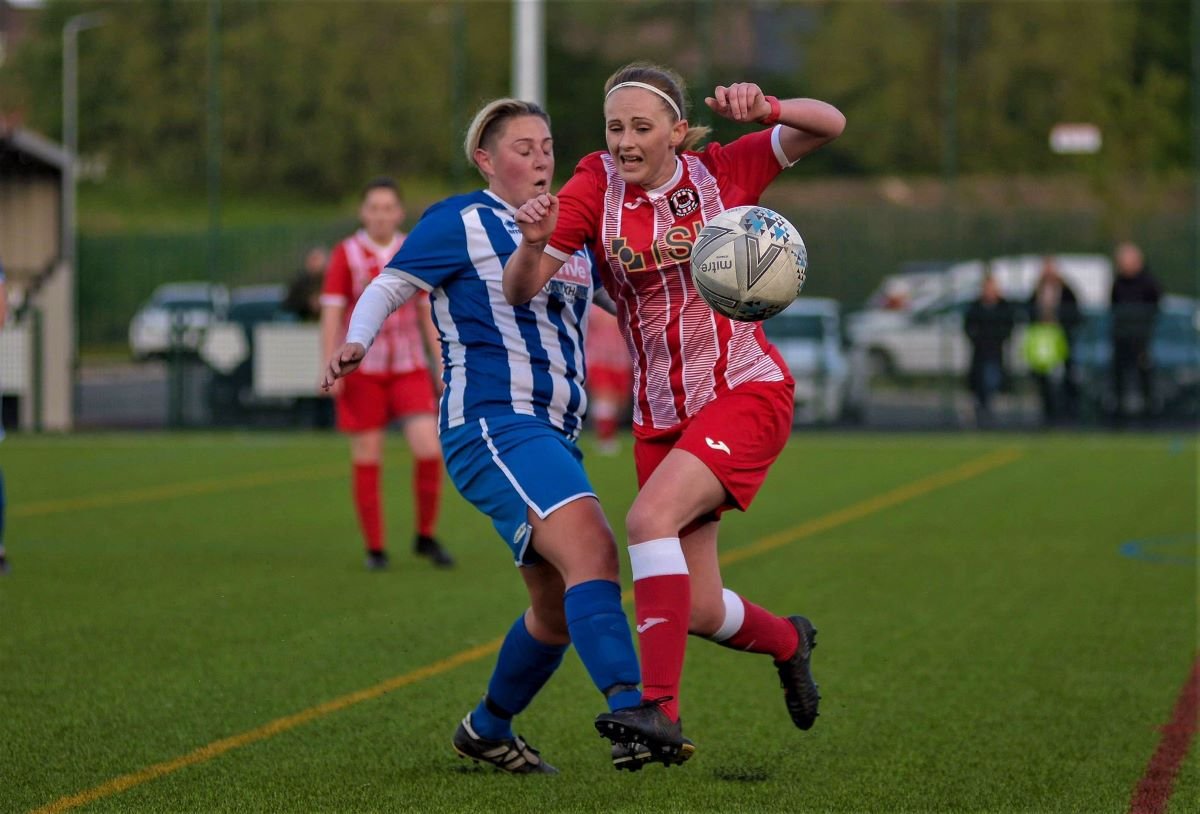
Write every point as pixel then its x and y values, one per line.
pixel 600 633
pixel 522 668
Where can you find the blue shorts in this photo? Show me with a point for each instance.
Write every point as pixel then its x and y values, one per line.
pixel 507 465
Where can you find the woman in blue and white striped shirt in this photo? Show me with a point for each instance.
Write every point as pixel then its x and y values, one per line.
pixel 512 407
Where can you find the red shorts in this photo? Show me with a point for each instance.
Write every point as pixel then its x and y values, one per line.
pixel 616 383
pixel 369 402
pixel 737 435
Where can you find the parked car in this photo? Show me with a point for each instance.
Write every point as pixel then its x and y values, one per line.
pixel 229 349
pixel 1174 349
pixel 175 318
pixel 913 288
pixel 928 340
pixel 808 334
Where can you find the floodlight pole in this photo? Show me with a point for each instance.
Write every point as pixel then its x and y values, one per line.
pixel 70 123
pixel 1196 135
pixel 70 175
pixel 949 111
pixel 212 152
pixel 529 51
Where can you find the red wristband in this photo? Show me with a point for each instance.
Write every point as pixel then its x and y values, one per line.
pixel 773 116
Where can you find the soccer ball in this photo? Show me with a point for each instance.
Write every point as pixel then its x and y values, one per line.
pixel 748 263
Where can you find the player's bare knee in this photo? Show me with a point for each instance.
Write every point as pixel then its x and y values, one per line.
pixel 705 618
pixel 595 559
pixel 645 521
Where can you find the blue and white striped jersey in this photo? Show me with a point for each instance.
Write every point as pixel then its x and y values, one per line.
pixel 498 359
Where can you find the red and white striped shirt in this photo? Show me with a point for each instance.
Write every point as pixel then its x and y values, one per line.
pixel 684 354
pixel 355 262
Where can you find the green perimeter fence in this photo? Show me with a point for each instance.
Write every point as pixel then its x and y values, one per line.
pixel 117 273
pixel 850 251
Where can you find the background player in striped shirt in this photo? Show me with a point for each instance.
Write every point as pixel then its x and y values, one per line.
pixel 510 413
pixel 713 399
pixel 609 378
pixel 393 382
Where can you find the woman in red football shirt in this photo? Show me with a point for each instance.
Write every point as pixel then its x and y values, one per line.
pixel 713 400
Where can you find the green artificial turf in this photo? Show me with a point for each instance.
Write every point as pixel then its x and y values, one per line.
pixel 985 645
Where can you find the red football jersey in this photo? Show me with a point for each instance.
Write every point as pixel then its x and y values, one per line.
pixel 684 353
pixel 355 262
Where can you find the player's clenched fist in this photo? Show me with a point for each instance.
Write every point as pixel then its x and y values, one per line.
pixel 344 362
pixel 741 101
pixel 537 217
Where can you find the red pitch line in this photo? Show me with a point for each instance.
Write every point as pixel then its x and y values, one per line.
pixel 1154 789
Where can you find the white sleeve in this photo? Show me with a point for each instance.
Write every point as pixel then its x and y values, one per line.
pixel 385 294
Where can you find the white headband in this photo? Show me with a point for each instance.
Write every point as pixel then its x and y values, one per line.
pixel 650 88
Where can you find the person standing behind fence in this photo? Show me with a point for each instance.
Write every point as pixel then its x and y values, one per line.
pixel 3 319
pixel 988 324
pixel 1053 304
pixel 304 292
pixel 1045 350
pixel 609 378
pixel 393 382
pixel 1135 296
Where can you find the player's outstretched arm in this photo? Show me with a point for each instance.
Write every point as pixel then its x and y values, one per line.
pixel 529 267
pixel 385 294
pixel 807 123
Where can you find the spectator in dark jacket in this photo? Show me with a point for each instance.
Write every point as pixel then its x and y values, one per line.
pixel 988 324
pixel 304 293
pixel 1135 296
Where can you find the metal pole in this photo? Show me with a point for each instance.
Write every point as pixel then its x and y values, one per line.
pixel 39 378
pixel 70 126
pixel 949 67
pixel 529 51
pixel 213 162
pixel 458 88
pixel 1196 138
pixel 704 35
pixel 67 232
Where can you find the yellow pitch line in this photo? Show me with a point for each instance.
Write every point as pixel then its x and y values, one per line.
pixel 168 491
pixel 872 505
pixel 856 511
pixel 216 748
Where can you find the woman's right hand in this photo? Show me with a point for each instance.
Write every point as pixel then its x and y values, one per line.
pixel 344 361
pixel 536 218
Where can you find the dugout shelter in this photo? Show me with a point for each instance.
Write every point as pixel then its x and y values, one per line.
pixel 37 345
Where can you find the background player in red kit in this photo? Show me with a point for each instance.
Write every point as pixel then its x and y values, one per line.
pixel 713 402
pixel 609 378
pixel 395 380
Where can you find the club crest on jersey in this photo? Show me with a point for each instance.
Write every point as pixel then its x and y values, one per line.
pixel 684 201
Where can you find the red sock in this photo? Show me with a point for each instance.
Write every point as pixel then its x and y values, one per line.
pixel 366 503
pixel 662 598
pixel 753 629
pixel 427 488
pixel 606 428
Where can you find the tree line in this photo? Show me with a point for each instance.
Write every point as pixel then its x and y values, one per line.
pixel 314 97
